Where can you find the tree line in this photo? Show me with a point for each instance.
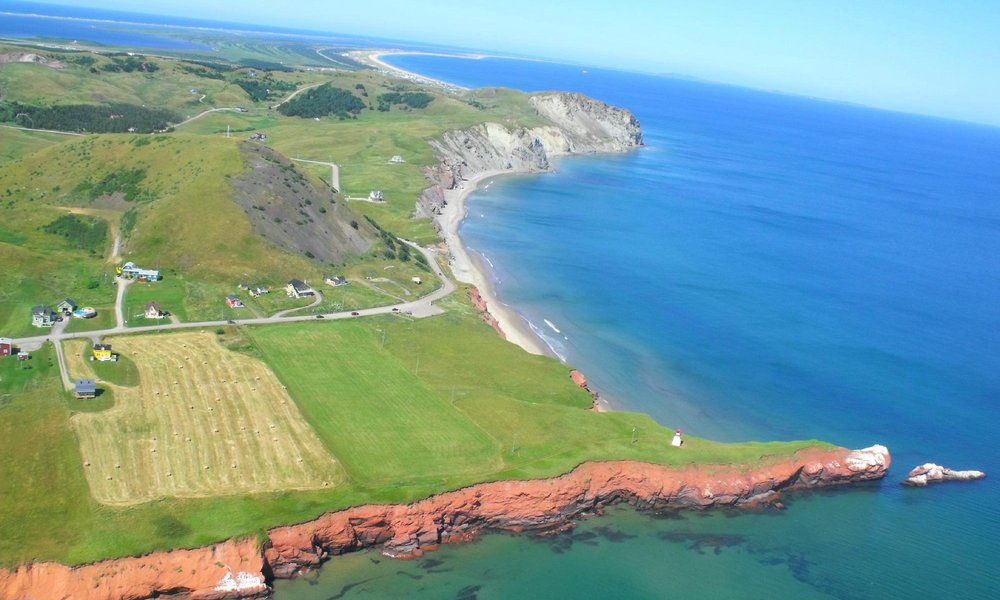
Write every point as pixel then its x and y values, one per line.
pixel 89 118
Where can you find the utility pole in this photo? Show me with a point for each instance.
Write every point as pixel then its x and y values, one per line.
pixel 635 435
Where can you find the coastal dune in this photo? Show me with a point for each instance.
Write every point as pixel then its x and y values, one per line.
pixel 241 569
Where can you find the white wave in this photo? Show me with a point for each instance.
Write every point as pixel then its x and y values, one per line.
pixel 553 327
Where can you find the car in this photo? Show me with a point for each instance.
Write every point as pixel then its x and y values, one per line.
pixel 394 309
pixel 355 314
pixel 231 322
pixel 320 317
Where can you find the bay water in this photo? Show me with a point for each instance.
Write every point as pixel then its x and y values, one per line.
pixel 767 267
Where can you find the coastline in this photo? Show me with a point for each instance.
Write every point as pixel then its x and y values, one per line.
pixel 373 58
pixel 243 568
pixel 466 266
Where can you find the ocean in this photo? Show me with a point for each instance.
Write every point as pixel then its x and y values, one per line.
pixel 768 267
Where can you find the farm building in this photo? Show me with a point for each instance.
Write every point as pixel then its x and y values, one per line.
pixel 416 280
pixel 23 355
pixel 130 271
pixel 153 311
pixel 297 288
pixel 234 301
pixel 376 196
pixel 396 160
pixel 43 316
pixel 103 353
pixel 336 280
pixel 258 291
pixel 6 346
pixel 66 307
pixel 85 388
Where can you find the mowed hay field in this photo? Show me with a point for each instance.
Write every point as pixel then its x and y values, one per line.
pixel 203 421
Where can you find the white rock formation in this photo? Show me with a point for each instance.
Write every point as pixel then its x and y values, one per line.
pixel 931 473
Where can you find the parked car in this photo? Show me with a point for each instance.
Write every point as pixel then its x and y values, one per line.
pixel 355 314
pixel 320 317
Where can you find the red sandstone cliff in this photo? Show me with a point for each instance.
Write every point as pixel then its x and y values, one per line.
pixel 480 303
pixel 410 529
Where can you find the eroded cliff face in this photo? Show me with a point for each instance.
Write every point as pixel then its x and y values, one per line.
pixel 232 569
pixel 579 125
pixel 237 569
pixel 408 530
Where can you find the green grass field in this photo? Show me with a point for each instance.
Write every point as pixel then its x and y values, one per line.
pixel 401 431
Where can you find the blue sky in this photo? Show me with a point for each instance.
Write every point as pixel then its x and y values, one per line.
pixel 933 57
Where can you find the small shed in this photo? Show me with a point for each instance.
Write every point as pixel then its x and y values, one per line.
pixel 416 280
pixel 66 307
pixel 6 346
pixel 85 388
pixel 336 280
pixel 234 301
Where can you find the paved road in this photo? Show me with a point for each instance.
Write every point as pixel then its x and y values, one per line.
pixel 420 308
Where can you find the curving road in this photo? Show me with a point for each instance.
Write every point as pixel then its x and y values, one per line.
pixel 419 308
pixel 334 172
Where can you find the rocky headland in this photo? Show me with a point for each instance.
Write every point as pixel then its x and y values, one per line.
pixel 579 125
pixel 241 569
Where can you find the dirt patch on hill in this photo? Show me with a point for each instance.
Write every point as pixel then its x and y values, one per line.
pixel 29 57
pixel 288 210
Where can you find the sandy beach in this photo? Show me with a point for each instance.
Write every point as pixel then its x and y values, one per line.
pixel 373 58
pixel 466 268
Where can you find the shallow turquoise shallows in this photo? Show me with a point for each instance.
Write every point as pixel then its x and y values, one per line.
pixel 769 267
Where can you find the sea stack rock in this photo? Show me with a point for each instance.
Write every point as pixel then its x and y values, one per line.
pixel 931 473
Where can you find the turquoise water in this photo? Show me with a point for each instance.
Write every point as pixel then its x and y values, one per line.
pixel 768 267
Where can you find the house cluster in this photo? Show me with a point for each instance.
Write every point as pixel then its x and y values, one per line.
pixel 297 288
pixel 254 290
pixel 258 137
pixel 43 315
pixel 376 196
pixel 233 301
pixel 130 271
pixel 7 348
pixel 396 160
pixel 336 280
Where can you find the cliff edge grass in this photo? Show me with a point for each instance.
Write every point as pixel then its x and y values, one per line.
pixel 244 568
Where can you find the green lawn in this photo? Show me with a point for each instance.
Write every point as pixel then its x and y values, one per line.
pixel 104 319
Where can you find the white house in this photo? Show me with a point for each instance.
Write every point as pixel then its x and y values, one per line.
pixel 297 288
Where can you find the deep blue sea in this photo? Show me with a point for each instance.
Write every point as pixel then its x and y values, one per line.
pixel 768 267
